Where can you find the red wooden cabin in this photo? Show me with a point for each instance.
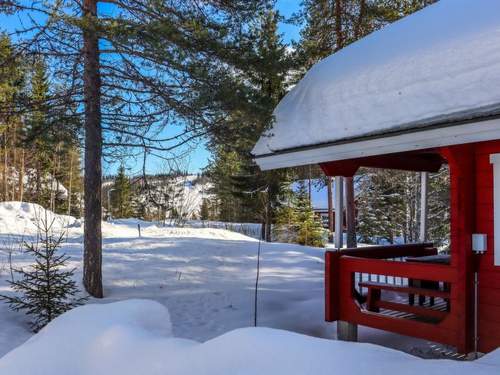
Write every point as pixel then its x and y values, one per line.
pixel 419 93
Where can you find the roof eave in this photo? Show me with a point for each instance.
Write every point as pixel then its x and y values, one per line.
pixel 418 138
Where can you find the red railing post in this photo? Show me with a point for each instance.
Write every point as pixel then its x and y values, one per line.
pixel 332 285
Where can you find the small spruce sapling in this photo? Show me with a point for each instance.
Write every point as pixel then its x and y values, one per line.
pixel 46 289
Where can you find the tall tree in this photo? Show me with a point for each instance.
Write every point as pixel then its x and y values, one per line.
pixel 133 71
pixel 12 82
pixel 121 196
pixel 92 274
pixel 257 192
pixel 310 229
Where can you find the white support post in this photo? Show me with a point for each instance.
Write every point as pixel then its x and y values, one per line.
pixel 495 160
pixel 339 212
pixel 424 210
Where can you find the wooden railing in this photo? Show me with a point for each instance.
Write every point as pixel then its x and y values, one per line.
pixel 393 253
pixel 352 274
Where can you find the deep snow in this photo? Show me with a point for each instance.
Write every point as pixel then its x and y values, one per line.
pixel 204 276
pixel 134 337
pixel 439 63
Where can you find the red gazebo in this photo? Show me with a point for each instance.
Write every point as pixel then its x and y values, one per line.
pixel 422 92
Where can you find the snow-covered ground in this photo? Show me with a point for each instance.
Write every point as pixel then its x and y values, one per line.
pixel 205 277
pixel 135 337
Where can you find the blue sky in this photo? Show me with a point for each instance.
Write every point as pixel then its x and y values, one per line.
pixel 199 157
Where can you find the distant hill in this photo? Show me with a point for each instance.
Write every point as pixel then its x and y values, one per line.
pixel 159 197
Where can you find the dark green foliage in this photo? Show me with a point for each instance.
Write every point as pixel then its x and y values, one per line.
pixel 286 223
pixel 330 25
pixel 121 195
pixel 295 220
pixel 205 210
pixel 310 230
pixel 46 289
pixel 243 192
pixel 40 146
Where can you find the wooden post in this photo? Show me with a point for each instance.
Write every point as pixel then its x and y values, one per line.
pixel 424 187
pixel 339 212
pixel 330 208
pixel 461 160
pixel 350 212
pixel 345 331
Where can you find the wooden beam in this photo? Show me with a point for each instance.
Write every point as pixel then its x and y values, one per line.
pixel 417 162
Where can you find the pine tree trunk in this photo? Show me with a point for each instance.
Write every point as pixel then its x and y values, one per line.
pixel 92 273
pixel 5 167
pixel 70 182
pixel 14 156
pixel 309 185
pixel 21 178
pixel 361 17
pixel 339 32
pixel 53 189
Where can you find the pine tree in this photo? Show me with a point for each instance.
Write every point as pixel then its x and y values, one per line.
pixel 330 25
pixel 12 85
pixel 389 206
pixel 310 231
pixel 46 289
pixel 50 154
pixel 287 223
pixel 253 194
pixel 126 97
pixel 121 197
pixel 205 210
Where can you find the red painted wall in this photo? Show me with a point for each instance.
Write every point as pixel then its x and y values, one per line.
pixel 489 274
pixel 472 212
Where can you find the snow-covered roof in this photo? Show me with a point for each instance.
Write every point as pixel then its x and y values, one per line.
pixel 441 64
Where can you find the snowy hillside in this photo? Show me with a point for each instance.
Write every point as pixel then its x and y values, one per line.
pixel 182 194
pixel 21 218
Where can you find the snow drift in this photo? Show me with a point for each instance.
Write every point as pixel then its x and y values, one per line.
pixel 134 337
pixel 23 218
pixel 439 64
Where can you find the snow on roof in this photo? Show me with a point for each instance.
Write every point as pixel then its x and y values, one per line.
pixel 439 64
